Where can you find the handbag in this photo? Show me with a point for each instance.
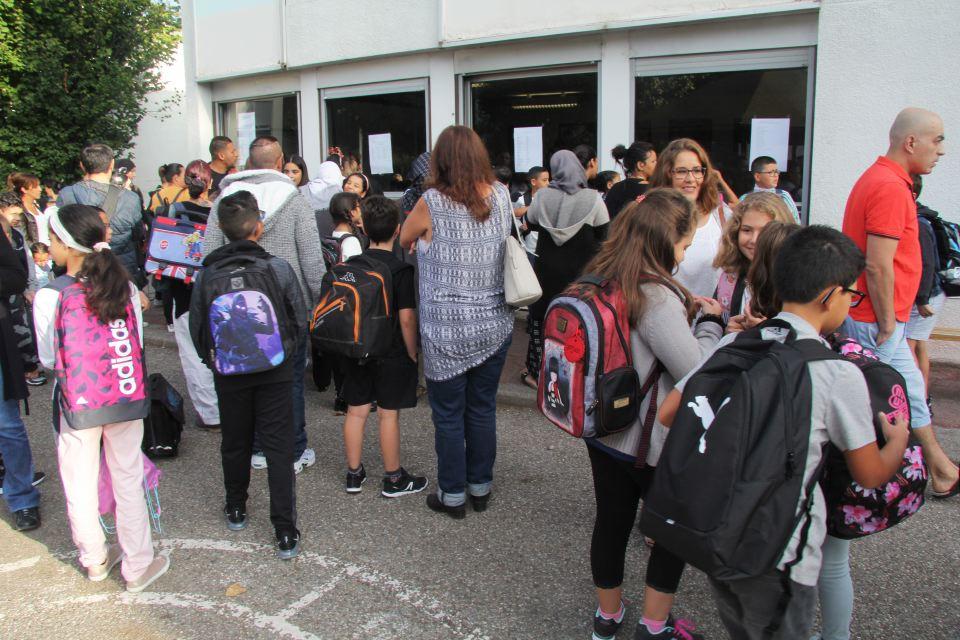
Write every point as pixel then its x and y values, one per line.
pixel 520 285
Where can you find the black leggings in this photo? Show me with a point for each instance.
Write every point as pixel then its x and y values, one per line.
pixel 619 487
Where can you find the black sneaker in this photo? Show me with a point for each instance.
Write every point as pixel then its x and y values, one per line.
pixel 457 513
pixel 480 503
pixel 355 480
pixel 236 517
pixel 288 545
pixel 38 478
pixel 339 406
pixel 674 629
pixel 604 628
pixel 404 485
pixel 27 519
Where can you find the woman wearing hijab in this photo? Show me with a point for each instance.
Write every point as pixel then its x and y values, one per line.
pixel 573 221
pixel 417 176
pixel 328 183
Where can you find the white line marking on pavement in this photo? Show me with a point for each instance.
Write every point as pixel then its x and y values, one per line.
pixel 310 597
pixel 413 597
pixel 19 564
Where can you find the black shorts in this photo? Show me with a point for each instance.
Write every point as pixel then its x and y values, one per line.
pixel 391 382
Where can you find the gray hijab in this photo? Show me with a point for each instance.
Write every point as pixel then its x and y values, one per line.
pixel 566 172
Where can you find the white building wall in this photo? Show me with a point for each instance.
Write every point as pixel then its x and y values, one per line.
pixel 874 58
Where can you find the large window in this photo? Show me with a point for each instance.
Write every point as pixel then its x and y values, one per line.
pixel 732 113
pixel 245 120
pixel 391 118
pixel 562 105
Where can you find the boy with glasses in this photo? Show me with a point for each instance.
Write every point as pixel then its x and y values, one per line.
pixel 766 177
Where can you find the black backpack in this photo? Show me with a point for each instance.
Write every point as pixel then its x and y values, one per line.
pixel 163 426
pixel 246 324
pixel 354 317
pixel 725 492
pixel 947 237
pixel 855 512
pixel 332 249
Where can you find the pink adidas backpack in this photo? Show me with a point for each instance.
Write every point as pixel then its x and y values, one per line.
pixel 101 375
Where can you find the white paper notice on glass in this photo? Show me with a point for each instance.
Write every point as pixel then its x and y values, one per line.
pixel 770 137
pixel 381 153
pixel 527 148
pixel 246 134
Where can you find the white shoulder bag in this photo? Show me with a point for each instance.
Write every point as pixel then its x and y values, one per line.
pixel 520 285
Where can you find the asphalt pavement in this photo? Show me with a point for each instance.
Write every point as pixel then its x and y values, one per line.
pixel 380 569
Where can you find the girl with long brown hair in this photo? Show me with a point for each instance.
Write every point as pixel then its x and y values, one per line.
pixel 648 241
pixel 685 166
pixel 460 226
pixel 738 247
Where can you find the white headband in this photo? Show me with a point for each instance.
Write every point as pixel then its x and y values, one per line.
pixel 57 227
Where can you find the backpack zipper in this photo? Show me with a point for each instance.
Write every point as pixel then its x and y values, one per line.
pixel 356 309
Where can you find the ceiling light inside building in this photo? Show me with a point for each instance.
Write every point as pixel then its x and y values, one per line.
pixel 555 105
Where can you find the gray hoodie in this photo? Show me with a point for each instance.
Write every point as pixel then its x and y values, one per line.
pixel 289 225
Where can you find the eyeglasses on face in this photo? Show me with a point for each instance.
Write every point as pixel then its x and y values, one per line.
pixel 683 172
pixel 856 297
pixel 772 172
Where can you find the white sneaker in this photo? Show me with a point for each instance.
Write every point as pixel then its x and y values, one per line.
pixel 258 461
pixel 307 459
pixel 101 571
pixel 169 328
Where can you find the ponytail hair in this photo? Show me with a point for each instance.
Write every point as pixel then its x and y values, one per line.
pixel 105 281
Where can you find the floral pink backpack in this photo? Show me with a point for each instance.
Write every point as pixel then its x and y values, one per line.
pixel 100 370
pixel 855 512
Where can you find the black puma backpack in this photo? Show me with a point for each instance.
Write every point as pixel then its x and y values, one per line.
pixel 730 478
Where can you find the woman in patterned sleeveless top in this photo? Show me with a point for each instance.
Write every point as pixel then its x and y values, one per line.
pixel 459 227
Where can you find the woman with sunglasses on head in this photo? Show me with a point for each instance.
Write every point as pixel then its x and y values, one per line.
pixel 685 166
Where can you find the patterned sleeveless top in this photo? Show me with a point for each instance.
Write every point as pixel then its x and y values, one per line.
pixel 464 318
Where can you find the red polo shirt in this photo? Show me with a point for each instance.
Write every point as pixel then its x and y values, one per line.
pixel 881 204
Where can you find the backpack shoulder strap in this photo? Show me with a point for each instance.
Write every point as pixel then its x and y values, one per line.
pixel 814 350
pixel 60 283
pixel 112 200
pixel 736 300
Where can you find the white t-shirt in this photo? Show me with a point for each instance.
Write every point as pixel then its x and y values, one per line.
pixel 697 272
pixel 841 414
pixel 349 247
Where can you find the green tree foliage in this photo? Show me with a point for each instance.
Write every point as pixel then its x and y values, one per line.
pixel 77 71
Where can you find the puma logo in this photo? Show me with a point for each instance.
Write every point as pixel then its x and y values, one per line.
pixel 701 407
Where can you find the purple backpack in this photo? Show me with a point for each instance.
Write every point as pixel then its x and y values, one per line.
pixel 101 375
pixel 855 512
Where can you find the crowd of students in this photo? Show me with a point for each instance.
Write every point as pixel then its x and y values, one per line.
pixel 696 266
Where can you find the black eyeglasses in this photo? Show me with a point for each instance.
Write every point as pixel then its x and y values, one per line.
pixel 856 297
pixel 772 172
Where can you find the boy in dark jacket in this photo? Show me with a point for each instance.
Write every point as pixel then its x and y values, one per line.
pixel 930 295
pixel 252 377
pixel 19 488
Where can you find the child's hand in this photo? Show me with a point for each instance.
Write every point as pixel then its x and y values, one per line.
pixel 899 430
pixel 925 310
pixel 736 324
pixel 751 320
pixel 708 306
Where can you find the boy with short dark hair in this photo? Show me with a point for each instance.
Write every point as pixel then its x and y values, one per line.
pixel 390 381
pixel 766 177
pixel 815 303
pixel 245 337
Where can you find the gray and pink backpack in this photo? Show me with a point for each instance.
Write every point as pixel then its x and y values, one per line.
pixel 100 368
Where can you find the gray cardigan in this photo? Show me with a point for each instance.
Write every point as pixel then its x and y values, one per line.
pixel 663 333
pixel 290 227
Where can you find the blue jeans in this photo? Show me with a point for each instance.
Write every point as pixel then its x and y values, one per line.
pixel 18 489
pixel 299 404
pixel 465 419
pixel 835 590
pixel 895 352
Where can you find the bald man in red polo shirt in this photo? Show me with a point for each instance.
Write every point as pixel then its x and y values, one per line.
pixel 881 218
